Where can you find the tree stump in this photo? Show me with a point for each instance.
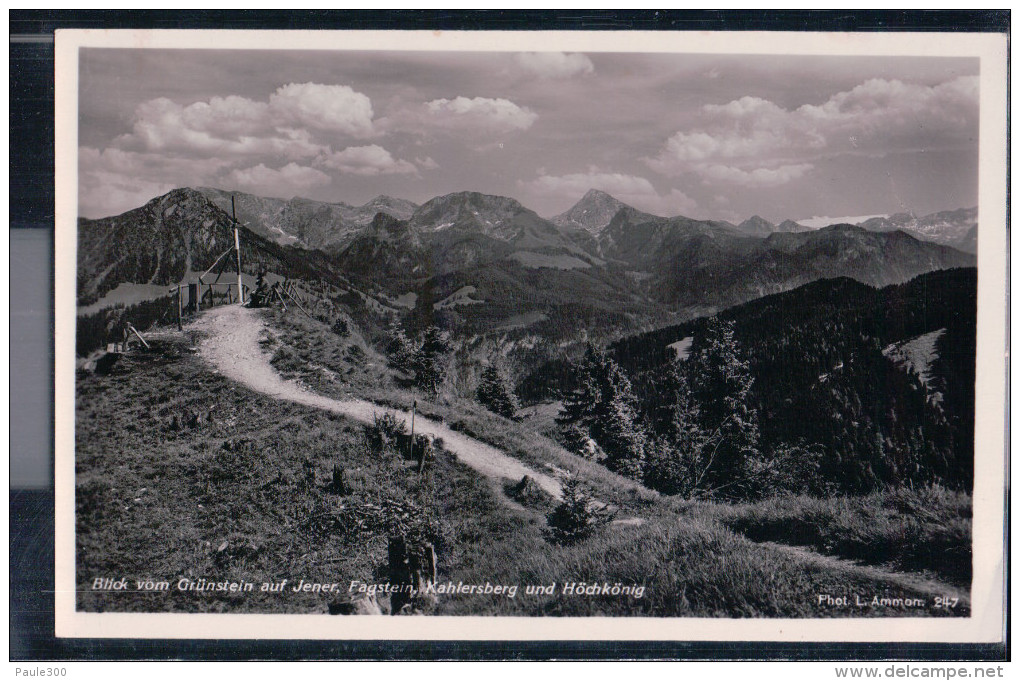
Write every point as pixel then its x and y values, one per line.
pixel 338 485
pixel 412 567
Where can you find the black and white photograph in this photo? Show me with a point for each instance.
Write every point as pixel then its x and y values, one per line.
pixel 679 334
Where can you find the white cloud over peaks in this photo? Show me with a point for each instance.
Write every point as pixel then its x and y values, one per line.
pixel 336 108
pixel 368 160
pixel 552 65
pixel 754 142
pixel 291 177
pixel 282 126
pixel 112 181
pixel 479 113
pixel 631 189
pixel 888 109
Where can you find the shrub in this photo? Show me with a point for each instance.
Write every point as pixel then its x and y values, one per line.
pixel 385 431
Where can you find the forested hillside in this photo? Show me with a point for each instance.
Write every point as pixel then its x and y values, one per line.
pixel 797 390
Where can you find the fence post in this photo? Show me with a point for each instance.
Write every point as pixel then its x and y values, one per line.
pixel 414 408
pixel 180 322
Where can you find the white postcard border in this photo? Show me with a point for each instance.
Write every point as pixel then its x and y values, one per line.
pixel 986 623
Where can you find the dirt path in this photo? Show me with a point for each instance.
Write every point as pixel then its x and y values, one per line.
pixel 232 346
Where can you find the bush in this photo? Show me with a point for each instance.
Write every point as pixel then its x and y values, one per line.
pixel 386 431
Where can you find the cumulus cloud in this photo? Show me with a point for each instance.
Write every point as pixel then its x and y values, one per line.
pixel 369 160
pixel 261 145
pixel 754 142
pixel 479 114
pixel 112 181
pixel 282 126
pixel 278 181
pixel 336 108
pixel 631 189
pixel 554 65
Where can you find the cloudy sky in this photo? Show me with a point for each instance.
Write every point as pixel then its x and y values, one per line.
pixel 705 136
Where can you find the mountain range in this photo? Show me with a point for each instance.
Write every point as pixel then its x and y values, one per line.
pixel 303 222
pixel 956 228
pixel 324 225
pixel 558 274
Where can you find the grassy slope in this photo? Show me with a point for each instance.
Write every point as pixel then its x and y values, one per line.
pixel 243 469
pixel 927 530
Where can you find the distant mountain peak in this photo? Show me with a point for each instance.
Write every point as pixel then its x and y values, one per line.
pixel 594 212
pixel 494 216
pixel 790 226
pixel 598 194
pixel 756 226
pixel 387 201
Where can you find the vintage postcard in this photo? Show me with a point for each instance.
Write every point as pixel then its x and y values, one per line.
pixel 481 336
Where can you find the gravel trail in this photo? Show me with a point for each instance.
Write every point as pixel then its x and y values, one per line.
pixel 231 345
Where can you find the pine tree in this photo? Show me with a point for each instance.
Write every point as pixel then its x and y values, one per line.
pixel 496 393
pixel 720 384
pixel 577 517
pixel 604 405
pixel 675 461
pixel 431 362
pixel 400 350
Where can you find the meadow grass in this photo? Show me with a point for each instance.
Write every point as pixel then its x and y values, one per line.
pixel 927 529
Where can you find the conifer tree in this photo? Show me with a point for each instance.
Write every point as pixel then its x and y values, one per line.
pixel 400 350
pixel 675 461
pixel 577 517
pixel 720 385
pixel 431 362
pixel 604 405
pixel 496 393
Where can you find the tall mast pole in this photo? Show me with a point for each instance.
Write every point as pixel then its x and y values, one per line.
pixel 237 248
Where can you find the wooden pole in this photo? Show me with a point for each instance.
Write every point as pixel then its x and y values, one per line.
pixel 237 247
pixel 299 306
pixel 217 262
pixel 135 331
pixel 280 296
pixel 180 323
pixel 414 407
